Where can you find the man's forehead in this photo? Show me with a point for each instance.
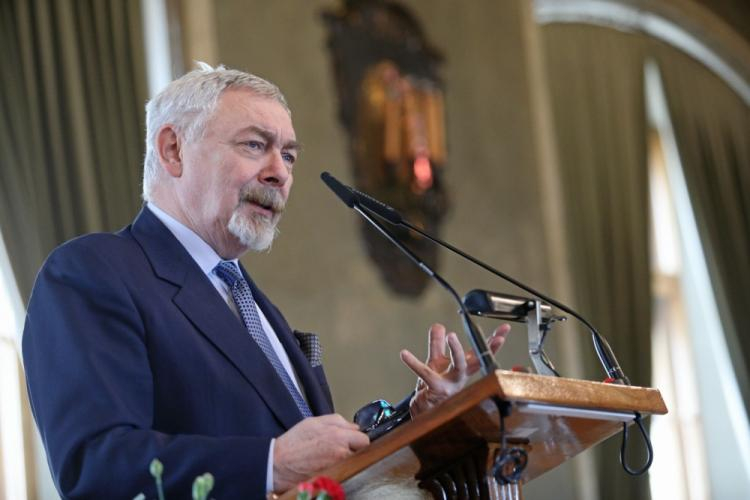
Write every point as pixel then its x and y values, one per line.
pixel 242 96
pixel 247 111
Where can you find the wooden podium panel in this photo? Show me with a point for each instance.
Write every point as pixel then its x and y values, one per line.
pixel 553 419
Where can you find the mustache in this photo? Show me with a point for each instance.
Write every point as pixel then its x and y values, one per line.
pixel 264 196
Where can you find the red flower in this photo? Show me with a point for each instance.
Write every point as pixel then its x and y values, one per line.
pixel 306 488
pixel 328 485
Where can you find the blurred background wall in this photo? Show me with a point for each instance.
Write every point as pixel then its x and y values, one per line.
pixel 547 173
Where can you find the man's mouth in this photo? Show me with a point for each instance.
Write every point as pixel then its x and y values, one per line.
pixel 266 202
pixel 265 208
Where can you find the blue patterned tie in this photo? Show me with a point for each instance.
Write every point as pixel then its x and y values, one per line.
pixel 243 297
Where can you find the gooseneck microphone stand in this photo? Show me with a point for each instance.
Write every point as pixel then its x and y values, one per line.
pixel 365 204
pixel 601 346
pixel 486 361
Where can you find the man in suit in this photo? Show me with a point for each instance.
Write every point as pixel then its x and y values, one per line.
pixel 155 342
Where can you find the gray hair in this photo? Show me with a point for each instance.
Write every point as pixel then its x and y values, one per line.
pixel 189 102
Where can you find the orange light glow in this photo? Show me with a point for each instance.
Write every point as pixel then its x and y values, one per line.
pixel 422 173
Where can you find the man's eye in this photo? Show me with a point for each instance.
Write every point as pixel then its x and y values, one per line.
pixel 289 158
pixel 257 145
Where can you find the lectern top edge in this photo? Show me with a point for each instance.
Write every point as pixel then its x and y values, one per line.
pixel 577 415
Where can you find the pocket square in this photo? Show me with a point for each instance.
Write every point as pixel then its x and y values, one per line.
pixel 310 345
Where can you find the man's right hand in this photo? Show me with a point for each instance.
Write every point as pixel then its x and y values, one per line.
pixel 312 445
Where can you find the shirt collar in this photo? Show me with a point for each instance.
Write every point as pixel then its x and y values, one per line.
pixel 201 252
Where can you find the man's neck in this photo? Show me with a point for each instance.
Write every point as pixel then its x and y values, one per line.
pixel 227 250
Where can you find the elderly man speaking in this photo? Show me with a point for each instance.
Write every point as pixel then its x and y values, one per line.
pixel 155 342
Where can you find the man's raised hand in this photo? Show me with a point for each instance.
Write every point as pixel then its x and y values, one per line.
pixel 446 370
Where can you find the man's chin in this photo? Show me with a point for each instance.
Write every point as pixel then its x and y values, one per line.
pixel 253 234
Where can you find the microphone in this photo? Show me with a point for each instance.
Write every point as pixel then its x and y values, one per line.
pixel 377 207
pixel 503 306
pixel 601 346
pixel 350 196
pixel 352 199
pixel 358 200
pixel 345 193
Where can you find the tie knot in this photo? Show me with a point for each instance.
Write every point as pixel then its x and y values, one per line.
pixel 228 272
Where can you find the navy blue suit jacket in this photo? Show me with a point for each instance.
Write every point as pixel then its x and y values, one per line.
pixel 131 354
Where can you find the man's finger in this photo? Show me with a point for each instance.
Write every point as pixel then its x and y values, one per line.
pixel 436 342
pixel 422 370
pixel 495 342
pixel 498 337
pixel 358 440
pixel 457 352
pixel 472 364
pixel 336 420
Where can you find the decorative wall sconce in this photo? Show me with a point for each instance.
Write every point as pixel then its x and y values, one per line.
pixel 391 104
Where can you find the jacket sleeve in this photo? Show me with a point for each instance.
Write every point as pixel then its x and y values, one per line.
pixel 91 389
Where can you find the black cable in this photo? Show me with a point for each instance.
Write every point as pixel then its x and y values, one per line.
pixel 601 346
pixel 484 356
pixel 353 198
pixel 545 328
pixel 515 457
pixel 603 351
pixel 646 439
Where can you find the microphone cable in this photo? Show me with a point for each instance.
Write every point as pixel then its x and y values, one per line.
pixel 603 350
pixel 601 345
pixel 358 200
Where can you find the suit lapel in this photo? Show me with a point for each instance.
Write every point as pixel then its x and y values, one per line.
pixel 203 306
pixel 316 397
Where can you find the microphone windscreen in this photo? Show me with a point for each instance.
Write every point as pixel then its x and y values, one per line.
pixel 342 191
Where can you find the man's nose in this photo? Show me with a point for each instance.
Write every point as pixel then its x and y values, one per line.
pixel 276 172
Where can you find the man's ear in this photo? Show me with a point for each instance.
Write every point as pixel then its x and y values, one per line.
pixel 169 150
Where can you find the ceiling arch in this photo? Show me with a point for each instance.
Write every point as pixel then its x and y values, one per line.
pixel 684 24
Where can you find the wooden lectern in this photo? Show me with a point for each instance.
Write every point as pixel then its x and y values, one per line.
pixel 449 452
